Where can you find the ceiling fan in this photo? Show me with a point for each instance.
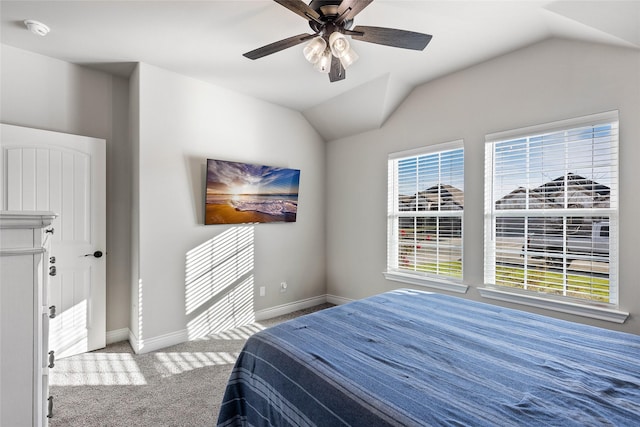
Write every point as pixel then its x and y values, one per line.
pixel 328 48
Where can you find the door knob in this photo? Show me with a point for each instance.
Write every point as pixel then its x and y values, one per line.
pixel 96 254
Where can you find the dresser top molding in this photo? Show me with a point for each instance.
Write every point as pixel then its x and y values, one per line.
pixel 26 219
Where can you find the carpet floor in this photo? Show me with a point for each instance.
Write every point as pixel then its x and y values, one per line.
pixel 177 386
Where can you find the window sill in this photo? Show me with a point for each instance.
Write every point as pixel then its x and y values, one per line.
pixel 426 282
pixel 594 312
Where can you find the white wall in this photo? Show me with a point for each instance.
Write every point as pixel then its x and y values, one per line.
pixel 182 122
pixel 45 93
pixel 546 82
pixel 159 133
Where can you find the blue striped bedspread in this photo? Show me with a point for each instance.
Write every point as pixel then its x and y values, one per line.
pixel 421 359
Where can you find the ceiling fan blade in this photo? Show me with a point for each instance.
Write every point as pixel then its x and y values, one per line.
pixel 301 8
pixel 350 8
pixel 277 46
pixel 337 71
pixel 390 37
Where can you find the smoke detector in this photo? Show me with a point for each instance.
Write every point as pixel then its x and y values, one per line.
pixel 37 27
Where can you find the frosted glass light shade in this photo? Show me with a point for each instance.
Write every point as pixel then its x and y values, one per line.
pixel 314 50
pixel 349 58
pixel 324 63
pixel 339 44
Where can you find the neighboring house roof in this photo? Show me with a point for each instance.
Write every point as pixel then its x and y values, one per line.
pixel 443 196
pixel 580 192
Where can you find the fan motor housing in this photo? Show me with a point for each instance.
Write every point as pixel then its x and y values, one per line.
pixel 328 11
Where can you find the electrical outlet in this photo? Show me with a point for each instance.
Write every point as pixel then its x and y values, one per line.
pixel 263 291
pixel 283 286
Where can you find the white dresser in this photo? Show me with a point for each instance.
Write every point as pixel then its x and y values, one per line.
pixel 24 318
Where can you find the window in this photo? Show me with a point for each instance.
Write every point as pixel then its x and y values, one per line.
pixel 551 210
pixel 425 207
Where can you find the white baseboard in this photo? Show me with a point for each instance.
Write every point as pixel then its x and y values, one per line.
pixel 156 343
pixel 133 341
pixel 334 299
pixel 283 309
pixel 117 335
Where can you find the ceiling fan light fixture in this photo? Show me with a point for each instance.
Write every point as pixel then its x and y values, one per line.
pixel 314 50
pixel 324 63
pixel 339 44
pixel 331 22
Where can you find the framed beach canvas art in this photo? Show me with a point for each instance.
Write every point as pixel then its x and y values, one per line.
pixel 240 193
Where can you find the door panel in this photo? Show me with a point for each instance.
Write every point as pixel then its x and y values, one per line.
pixel 65 174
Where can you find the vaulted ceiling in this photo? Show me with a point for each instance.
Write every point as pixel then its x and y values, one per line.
pixel 206 39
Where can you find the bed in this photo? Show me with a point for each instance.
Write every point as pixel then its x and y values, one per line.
pixel 415 358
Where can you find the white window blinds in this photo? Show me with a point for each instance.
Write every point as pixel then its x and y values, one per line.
pixel 425 207
pixel 551 208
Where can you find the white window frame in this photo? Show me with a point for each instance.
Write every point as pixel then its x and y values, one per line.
pixel 565 304
pixel 393 272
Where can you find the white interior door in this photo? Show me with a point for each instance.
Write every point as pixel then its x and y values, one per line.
pixel 63 173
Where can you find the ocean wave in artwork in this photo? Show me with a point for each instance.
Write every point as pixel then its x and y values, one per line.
pixel 270 207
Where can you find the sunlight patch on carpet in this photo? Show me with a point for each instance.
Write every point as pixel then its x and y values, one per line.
pixel 97 369
pixel 239 333
pixel 169 364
